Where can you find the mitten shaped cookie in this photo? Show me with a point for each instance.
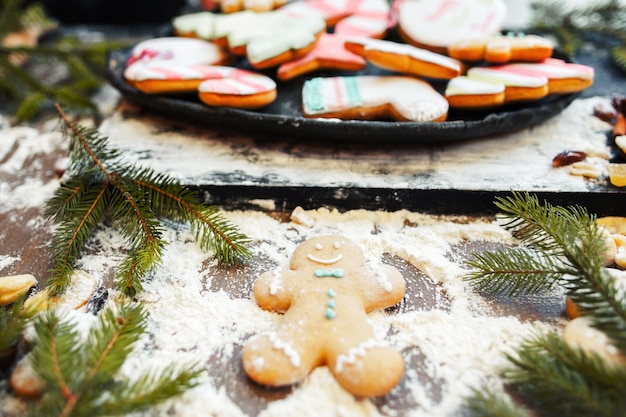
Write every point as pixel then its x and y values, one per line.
pixel 325 296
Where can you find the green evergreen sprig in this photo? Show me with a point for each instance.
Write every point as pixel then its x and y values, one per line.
pixel 12 325
pixel 566 246
pixel 570 24
pixel 81 376
pixel 103 186
pixel 82 65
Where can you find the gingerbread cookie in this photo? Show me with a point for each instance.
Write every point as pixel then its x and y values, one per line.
pixel 170 65
pixel 518 86
pixel 563 77
pixel 325 296
pixel 369 97
pixel 466 93
pixel 368 18
pixel 503 49
pixel 436 24
pixel 406 59
pixel 233 87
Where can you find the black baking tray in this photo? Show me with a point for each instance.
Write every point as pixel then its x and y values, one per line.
pixel 284 116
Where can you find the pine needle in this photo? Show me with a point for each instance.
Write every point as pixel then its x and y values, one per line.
pixel 102 186
pixel 81 375
pixel 559 246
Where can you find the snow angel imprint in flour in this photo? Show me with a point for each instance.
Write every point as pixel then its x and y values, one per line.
pixel 326 295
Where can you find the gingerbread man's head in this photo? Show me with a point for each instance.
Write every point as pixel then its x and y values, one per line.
pixel 327 251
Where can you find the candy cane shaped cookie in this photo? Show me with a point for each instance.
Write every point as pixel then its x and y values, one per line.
pixel 171 65
pixel 233 87
pixel 436 24
pixel 370 97
pixel 367 18
pixel 563 77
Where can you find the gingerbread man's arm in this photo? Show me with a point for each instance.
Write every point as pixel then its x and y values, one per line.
pixel 272 290
pixel 383 286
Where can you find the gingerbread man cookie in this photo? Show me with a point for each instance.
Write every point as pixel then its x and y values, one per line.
pixel 326 295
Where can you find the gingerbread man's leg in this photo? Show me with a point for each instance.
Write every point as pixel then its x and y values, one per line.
pixel 366 367
pixel 279 358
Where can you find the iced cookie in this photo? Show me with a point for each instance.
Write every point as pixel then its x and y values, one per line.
pixel 238 88
pixel 273 38
pixel 466 93
pixel 373 97
pixel 171 64
pixel 325 296
pixel 436 24
pixel 367 18
pixel 348 17
pixel 267 39
pixel 231 6
pixel 406 59
pixel 563 77
pixel 502 49
pixel 518 87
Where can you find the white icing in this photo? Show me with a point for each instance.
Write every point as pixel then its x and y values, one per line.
pixel 463 85
pixel 325 261
pixel 442 22
pixel 182 51
pixel 508 78
pixel 269 34
pixel 353 354
pixel 286 348
pixel 201 24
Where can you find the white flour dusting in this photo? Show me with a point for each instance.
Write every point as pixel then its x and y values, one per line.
pixel 201 312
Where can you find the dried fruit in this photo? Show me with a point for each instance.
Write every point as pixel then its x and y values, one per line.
pixel 617 174
pixel 567 158
pixel 605 112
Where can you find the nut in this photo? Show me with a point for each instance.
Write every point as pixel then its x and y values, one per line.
pixel 579 333
pixel 585 169
pixel 614 224
pixel 26 383
pixel 14 286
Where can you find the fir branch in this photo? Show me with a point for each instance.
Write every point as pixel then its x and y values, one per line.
pixel 81 376
pixel 560 380
pixel 82 63
pixel 619 56
pixel 102 186
pixel 485 402
pixel 568 246
pixel 12 325
pixel 570 24
pixel 553 377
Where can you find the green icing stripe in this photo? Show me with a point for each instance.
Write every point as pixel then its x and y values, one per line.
pixel 352 90
pixel 312 95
